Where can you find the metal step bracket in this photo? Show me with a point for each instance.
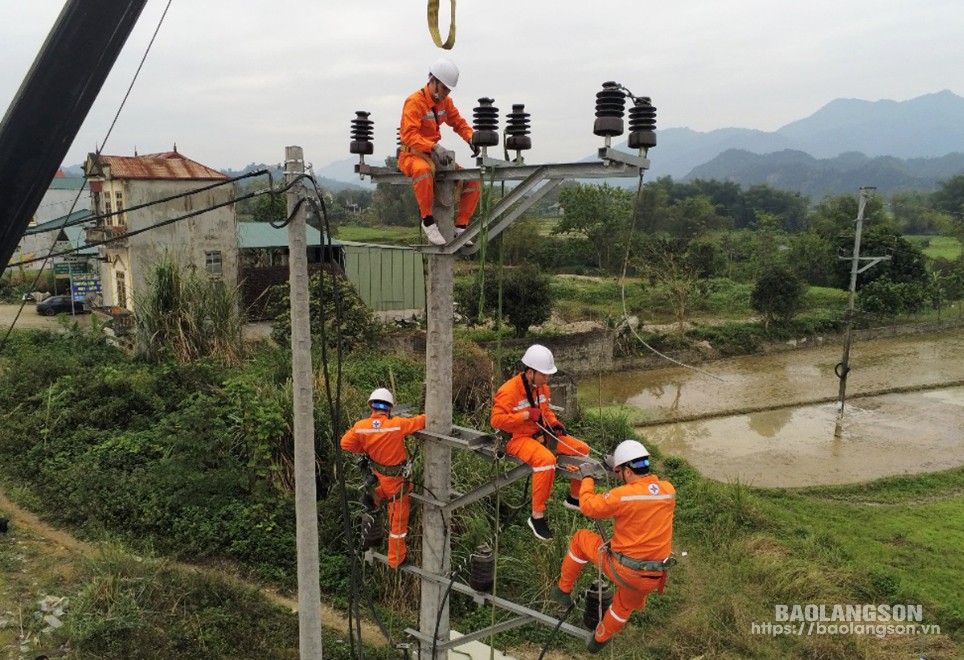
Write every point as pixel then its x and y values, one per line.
pixel 524 614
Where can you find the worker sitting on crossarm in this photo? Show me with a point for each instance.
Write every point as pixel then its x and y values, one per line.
pixel 638 555
pixel 522 409
pixel 422 152
pixel 381 438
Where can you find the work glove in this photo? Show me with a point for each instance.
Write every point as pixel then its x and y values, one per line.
pixel 535 414
pixel 559 429
pixel 442 156
pixel 476 150
pixel 587 470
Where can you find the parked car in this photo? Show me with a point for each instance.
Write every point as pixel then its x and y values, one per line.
pixel 60 305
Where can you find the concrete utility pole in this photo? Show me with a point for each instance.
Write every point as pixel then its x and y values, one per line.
pixel 306 502
pixel 843 368
pixel 436 558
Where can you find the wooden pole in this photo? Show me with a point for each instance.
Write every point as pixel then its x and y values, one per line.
pixel 306 503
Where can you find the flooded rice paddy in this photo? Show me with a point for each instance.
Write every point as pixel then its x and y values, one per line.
pixel 788 439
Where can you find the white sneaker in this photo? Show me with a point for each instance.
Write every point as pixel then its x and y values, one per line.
pixel 433 234
pixel 458 232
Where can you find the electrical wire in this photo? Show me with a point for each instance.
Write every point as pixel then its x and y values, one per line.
pixel 622 287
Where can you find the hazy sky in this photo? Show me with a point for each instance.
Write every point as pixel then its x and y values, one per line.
pixel 235 81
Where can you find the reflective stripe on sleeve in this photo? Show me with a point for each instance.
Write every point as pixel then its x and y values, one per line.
pixel 639 498
pixel 397 536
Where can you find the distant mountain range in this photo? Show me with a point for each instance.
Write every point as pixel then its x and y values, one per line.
pixel 928 126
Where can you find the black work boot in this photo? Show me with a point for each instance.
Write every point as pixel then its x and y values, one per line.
pixel 540 528
pixel 560 597
pixel 593 646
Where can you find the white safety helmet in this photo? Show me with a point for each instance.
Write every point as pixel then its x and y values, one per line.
pixel 381 399
pixel 445 72
pixel 540 358
pixel 630 451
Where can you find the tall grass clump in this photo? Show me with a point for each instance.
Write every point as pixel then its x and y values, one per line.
pixel 188 317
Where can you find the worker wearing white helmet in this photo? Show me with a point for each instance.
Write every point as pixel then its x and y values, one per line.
pixel 422 152
pixel 381 438
pixel 522 410
pixel 639 553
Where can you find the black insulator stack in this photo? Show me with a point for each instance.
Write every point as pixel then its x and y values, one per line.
pixel 642 124
pixel 485 123
pixel 482 569
pixel 517 126
pixel 362 130
pixel 372 530
pixel 610 106
pixel 598 600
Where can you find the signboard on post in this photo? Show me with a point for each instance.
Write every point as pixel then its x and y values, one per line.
pixel 82 286
pixel 68 269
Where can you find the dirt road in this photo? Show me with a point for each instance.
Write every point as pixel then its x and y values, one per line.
pixel 29 318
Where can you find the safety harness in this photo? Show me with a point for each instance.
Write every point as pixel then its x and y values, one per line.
pixel 641 565
pixel 400 470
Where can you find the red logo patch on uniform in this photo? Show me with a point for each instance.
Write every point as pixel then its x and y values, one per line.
pixel 654 489
pixel 376 423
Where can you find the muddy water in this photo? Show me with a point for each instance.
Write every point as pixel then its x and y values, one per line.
pixel 793 444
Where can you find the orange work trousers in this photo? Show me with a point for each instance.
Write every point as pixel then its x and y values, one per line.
pixel 395 491
pixel 422 173
pixel 543 462
pixel 584 548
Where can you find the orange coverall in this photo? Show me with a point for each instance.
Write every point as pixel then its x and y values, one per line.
pixel 421 119
pixel 508 414
pixel 382 438
pixel 642 515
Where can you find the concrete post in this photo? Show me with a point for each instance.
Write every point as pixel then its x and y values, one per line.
pixel 436 530
pixel 306 503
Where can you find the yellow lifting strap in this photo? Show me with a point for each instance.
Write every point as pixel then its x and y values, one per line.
pixel 433 25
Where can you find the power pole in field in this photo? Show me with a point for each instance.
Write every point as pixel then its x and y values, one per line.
pixel 843 368
pixel 306 502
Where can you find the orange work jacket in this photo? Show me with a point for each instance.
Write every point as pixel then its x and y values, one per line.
pixel 642 514
pixel 511 402
pixel 382 437
pixel 422 117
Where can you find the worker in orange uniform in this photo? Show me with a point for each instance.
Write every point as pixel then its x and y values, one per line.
pixel 382 439
pixel 638 555
pixel 421 153
pixel 522 410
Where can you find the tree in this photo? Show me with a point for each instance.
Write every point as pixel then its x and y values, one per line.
pixel 907 263
pixel 835 216
pixel 394 203
pixel 334 307
pixel 526 298
pixel 812 258
pixel 778 296
pixel 676 269
pixel 601 214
